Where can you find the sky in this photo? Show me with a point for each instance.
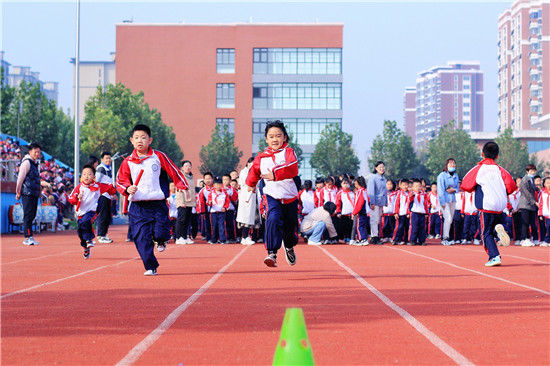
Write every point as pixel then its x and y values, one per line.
pixel 386 43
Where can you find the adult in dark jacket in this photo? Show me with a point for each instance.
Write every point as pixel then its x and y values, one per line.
pixel 528 207
pixel 28 188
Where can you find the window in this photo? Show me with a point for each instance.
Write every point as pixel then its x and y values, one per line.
pixel 226 123
pixel 297 60
pixel 225 59
pixel 225 95
pixel 297 95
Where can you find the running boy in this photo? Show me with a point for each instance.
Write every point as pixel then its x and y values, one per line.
pixel 277 166
pixel 86 197
pixel 143 178
pixel 492 184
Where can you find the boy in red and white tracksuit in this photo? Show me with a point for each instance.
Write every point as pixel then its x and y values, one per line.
pixel 219 202
pixel 344 208
pixel 544 210
pixel 400 232
pixel 86 197
pixel 492 185
pixel 417 208
pixel 435 222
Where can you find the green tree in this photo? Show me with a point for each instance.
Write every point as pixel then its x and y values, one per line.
pixel 292 143
pixel 333 154
pixel 40 121
pixel 110 116
pixel 452 142
pixel 514 155
pixel 394 148
pixel 220 155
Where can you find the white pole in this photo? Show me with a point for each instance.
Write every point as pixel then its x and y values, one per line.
pixel 76 99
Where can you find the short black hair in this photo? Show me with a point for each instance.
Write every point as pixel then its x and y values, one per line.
pixel 208 173
pixel 319 180
pixel 330 207
pixel 217 180
pixel 92 160
pixel 530 167
pixel 34 145
pixel 307 184
pixel 250 160
pixel 185 161
pixel 278 124
pixel 403 180
pixel 329 179
pixel 379 162
pixel 105 153
pixel 416 180
pixel 361 181
pixel 89 166
pixel 490 150
pixel 537 177
pixel 226 175
pixel 141 127
pixel 234 180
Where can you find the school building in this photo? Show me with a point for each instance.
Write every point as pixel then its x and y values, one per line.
pixel 236 75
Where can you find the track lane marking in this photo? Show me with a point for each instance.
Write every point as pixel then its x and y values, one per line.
pixel 453 354
pixel 44 256
pixel 473 271
pixel 65 278
pixel 140 348
pixel 507 255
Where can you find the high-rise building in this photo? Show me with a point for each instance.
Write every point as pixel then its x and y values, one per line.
pixel 524 66
pixel 92 75
pixel 443 94
pixel 239 76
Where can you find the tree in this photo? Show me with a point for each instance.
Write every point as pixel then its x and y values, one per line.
pixel 292 143
pixel 110 116
pixel 39 121
pixel 333 154
pixel 513 154
pixel 452 142
pixel 395 149
pixel 220 155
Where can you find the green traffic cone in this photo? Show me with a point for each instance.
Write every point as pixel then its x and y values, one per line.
pixel 293 347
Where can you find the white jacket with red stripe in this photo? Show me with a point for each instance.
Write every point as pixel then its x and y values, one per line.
pixel 544 204
pixel 491 184
pixel 284 165
pixel 90 196
pixel 150 187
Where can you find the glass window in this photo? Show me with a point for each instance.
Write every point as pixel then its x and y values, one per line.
pixel 226 123
pixel 297 60
pixel 225 58
pixel 225 95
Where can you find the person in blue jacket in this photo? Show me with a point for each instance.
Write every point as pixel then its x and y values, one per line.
pixel 447 186
pixel 378 197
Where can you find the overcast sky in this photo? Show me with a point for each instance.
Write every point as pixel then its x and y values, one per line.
pixel 386 43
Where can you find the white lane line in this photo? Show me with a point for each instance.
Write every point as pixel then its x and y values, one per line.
pixel 453 354
pixel 473 271
pixel 44 256
pixel 64 278
pixel 140 348
pixel 507 255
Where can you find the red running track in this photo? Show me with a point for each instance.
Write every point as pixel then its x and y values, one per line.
pixel 363 305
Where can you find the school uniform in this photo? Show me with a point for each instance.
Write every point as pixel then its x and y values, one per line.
pixel 318 197
pixel 513 198
pixel 206 228
pixel 307 202
pixel 492 184
pixel 148 213
pixel 544 213
pixel 230 223
pixel 281 195
pixel 86 211
pixel 388 218
pixel 361 209
pixel 417 208
pixel 345 200
pixel 400 232
pixel 172 212
pixel 458 220
pixel 104 175
pixel 541 225
pixel 471 227
pixel 435 222
pixel 219 203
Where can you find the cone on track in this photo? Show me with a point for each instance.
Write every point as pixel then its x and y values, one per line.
pixel 293 347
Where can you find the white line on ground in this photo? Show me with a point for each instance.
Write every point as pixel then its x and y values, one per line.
pixel 64 278
pixel 44 256
pixel 453 354
pixel 507 255
pixel 473 271
pixel 136 352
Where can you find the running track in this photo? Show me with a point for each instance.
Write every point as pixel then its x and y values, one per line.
pixel 213 304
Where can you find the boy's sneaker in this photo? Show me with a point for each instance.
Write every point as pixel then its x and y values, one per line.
pixel 445 242
pixel 90 244
pixel 364 242
pixel 128 240
pixel 311 242
pixel 290 256
pixel 401 243
pixel 86 253
pixel 161 247
pixel 464 241
pixel 189 241
pixel 104 240
pixel 28 241
pixel 527 243
pixel 271 260
pixel 181 241
pixel 430 237
pixel 352 242
pixel 517 243
pixel 34 242
pixel 438 236
pixel 150 272
pixel 494 262
pixel 394 243
pixel 476 242
pixel 502 235
pixel 544 244
pixel 536 242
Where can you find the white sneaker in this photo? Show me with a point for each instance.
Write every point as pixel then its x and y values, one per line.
pixel 352 242
pixel 536 242
pixel 464 241
pixel 316 243
pixel 104 240
pixel 181 241
pixel 150 272
pixel 247 241
pixel 28 241
pixel 544 244
pixel 527 243
pixel 430 237
pixel 161 247
pixel 34 242
pixel 189 241
pixel 90 244
pixel 503 236
pixel 476 242
pixel 517 243
pixel 438 236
